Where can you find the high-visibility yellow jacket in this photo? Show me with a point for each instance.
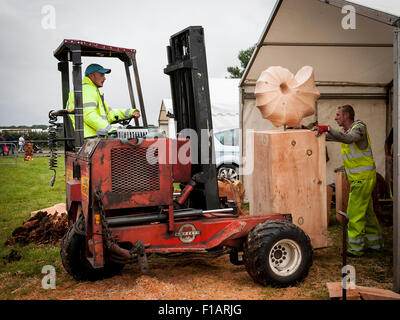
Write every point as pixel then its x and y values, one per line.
pixel 96 113
pixel 358 164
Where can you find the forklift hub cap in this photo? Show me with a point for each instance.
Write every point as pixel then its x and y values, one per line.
pixel 187 233
pixel 285 257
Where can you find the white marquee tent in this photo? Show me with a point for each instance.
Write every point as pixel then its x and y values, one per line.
pixel 224 98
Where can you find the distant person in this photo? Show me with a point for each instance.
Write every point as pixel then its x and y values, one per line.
pixel 2 145
pixel 21 142
pixel 97 115
pixel 10 139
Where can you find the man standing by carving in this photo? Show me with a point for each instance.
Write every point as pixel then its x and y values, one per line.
pixel 364 230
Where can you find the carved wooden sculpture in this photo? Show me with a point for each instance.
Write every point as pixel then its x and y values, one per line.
pixel 285 99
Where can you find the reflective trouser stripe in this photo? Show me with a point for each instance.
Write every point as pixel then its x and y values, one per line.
pixel 356 240
pixel 357 249
pixel 374 242
pixel 376 247
pixel 360 169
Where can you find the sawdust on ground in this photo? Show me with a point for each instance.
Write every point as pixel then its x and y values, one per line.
pixel 168 279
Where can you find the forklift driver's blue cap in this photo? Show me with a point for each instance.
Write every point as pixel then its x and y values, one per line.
pixel 96 68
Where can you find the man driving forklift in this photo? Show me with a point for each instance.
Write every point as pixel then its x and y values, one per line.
pixel 97 115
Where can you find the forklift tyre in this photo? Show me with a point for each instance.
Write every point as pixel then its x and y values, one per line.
pixel 73 257
pixel 277 253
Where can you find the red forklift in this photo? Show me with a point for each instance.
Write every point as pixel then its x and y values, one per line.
pixel 121 201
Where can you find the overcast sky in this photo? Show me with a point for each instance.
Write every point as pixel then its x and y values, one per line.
pixel 31 85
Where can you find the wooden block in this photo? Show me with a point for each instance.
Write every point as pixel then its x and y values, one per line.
pixel 335 291
pixel 360 292
pixel 342 190
pixel 289 176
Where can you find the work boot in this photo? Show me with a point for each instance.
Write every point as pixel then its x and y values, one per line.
pixel 352 255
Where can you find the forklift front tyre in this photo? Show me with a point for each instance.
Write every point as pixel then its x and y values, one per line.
pixel 73 257
pixel 277 253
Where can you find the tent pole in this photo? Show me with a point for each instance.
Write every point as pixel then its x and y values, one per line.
pixel 396 182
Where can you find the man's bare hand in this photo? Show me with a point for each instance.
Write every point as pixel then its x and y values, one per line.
pixel 136 114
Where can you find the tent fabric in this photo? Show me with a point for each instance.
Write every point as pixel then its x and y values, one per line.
pixel 224 98
pixel 295 38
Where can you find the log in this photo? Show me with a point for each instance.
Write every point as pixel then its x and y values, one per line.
pixel 232 190
pixel 361 293
pixel 42 228
pixel 289 176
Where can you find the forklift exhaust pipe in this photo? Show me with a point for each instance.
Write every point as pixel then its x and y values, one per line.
pixel 159 217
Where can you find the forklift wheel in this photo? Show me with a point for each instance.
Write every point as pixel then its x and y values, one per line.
pixel 73 257
pixel 277 253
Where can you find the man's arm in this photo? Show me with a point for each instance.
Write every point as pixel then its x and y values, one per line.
pixel 354 135
pixel 121 113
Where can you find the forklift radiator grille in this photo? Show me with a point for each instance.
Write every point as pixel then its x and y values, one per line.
pixel 134 170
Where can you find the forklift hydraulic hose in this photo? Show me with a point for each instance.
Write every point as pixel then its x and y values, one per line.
pixel 158 217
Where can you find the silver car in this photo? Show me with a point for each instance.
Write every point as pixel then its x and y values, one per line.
pixel 226 145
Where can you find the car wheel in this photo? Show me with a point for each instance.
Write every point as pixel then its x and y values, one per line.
pixel 229 171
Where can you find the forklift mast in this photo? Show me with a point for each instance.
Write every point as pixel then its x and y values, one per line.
pixel 187 69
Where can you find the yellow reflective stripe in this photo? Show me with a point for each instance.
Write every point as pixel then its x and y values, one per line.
pixel 356 248
pixel 90 104
pixel 356 240
pixel 360 169
pixel 357 155
pixel 376 246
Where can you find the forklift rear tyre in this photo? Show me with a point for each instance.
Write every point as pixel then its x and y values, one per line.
pixel 73 257
pixel 277 253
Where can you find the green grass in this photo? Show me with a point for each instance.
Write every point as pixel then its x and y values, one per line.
pixel 25 188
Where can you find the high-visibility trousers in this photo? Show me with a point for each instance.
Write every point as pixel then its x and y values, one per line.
pixel 363 229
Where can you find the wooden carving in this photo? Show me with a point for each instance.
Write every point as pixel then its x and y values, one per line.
pixel 285 99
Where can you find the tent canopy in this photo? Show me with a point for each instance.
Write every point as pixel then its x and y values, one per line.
pixel 292 39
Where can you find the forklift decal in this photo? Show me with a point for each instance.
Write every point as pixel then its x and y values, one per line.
pixel 187 233
pixel 85 186
pixel 69 176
